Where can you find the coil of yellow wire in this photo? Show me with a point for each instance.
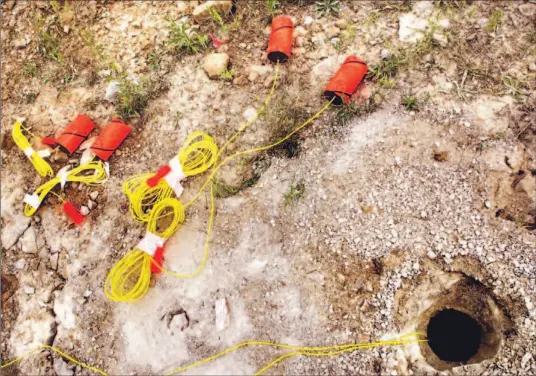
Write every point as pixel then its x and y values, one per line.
pixel 197 155
pixel 41 166
pixel 81 174
pixel 129 279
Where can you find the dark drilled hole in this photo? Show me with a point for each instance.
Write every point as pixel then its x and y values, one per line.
pixel 454 336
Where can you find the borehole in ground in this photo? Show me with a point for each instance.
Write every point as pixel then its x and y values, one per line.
pixel 454 336
pixel 464 326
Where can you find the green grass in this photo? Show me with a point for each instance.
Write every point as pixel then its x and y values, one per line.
pixel 512 86
pixel 132 98
pixel 222 190
pixel 410 102
pixel 324 8
pixel 494 21
pixel 273 8
pixel 181 41
pixel 48 46
pixel 296 192
pixel 227 75
pixel 154 60
pixel 29 69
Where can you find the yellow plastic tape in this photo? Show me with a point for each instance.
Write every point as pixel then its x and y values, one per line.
pixel 297 350
pixel 41 166
pixel 129 279
pixel 80 174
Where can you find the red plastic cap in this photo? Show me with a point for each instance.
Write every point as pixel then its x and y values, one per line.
pixel 75 133
pixel 110 138
pixel 344 83
pixel 280 42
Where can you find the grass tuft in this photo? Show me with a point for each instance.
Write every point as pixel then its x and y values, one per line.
pixel 494 21
pixel 324 8
pixel 185 41
pixel 296 192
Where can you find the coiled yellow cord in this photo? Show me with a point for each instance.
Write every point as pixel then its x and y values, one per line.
pixel 197 155
pixel 415 337
pixel 41 166
pixel 78 174
pixel 129 279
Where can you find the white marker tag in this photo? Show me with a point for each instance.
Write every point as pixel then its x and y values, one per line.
pixel 174 177
pixel 62 174
pixel 32 200
pixel 150 243
pixel 29 151
pixel 107 169
pixel 44 153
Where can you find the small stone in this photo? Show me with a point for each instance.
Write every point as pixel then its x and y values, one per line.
pixel 29 290
pixel 532 67
pixel 240 81
pixel 333 31
pixel 423 214
pixel 528 10
pixel 341 24
pixel 385 54
pixel 54 261
pixel 398 161
pixel 61 368
pixel 308 20
pixel 487 204
pixel 29 241
pixel 87 293
pixel 432 255
pixel 526 358
pixel 20 43
pixel 93 195
pixel 215 64
pixel 118 152
pixel 91 204
pixel 111 92
pixel 300 31
pixel 249 113
pixel 222 314
pixel 202 12
pixel 10 4
pixel 84 210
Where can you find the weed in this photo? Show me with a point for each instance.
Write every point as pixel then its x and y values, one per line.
pixel 385 69
pixel 346 113
pixel 227 75
pixel 182 41
pixel 386 82
pixel 326 7
pixel 29 69
pixel 178 116
pixel 273 8
pixel 296 192
pixel 494 21
pixel 154 60
pixel 216 17
pixel 132 98
pixel 222 190
pixel 235 25
pixel 512 86
pixel 410 103
pixel 48 46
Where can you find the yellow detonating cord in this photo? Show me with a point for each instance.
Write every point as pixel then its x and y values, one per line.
pixel 297 350
pixel 129 279
pixel 307 351
pixel 197 155
pixel 78 174
pixel 42 167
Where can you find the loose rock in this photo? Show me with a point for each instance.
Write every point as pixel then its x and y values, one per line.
pixel 215 64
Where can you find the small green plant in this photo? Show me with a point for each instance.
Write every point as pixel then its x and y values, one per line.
pixel 154 60
pixel 133 97
pixel 326 7
pixel 215 16
pixel 222 190
pixel 48 46
pixel 29 69
pixel 296 192
pixel 386 82
pixel 385 69
pixel 494 21
pixel 273 8
pixel 410 103
pixel 512 86
pixel 346 113
pixel 182 41
pixel 227 75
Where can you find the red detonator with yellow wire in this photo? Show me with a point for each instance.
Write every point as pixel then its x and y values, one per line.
pixel 110 138
pixel 341 86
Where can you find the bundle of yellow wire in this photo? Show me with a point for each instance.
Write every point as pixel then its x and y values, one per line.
pixel 129 279
pixel 78 174
pixel 197 155
pixel 42 167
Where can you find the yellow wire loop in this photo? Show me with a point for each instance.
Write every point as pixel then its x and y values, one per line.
pixel 307 351
pixel 42 167
pixel 197 155
pixel 129 279
pixel 78 174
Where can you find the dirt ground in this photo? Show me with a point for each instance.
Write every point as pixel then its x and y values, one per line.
pixel 419 195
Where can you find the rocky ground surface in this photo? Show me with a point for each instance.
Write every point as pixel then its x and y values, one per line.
pixel 419 195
